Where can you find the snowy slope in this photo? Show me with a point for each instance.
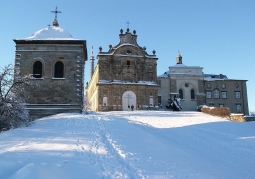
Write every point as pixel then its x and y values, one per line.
pixel 140 144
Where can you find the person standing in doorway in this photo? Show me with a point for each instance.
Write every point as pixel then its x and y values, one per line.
pixel 132 107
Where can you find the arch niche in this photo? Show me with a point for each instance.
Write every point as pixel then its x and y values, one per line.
pixel 128 98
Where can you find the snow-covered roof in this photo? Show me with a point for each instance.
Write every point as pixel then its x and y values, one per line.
pixel 164 75
pixel 184 66
pixel 51 33
pixel 180 69
pixel 213 77
pixel 179 65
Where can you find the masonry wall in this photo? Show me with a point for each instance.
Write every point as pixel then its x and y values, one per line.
pixel 114 93
pixel 59 94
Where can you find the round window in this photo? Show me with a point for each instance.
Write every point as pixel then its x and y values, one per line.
pixel 186 85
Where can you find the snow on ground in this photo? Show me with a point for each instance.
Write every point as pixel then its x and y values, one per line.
pixel 129 145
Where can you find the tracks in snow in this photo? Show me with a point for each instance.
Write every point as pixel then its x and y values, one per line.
pixel 110 157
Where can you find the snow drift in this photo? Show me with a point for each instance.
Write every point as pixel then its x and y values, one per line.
pixel 139 144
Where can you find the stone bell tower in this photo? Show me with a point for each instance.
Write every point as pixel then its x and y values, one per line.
pixel 55 61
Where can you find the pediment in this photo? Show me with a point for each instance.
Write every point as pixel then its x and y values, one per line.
pixel 130 50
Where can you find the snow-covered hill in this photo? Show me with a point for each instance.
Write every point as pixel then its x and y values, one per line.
pixel 139 144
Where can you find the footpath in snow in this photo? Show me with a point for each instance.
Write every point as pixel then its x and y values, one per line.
pixel 129 145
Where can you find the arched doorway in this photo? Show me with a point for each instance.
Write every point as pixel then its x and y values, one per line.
pixel 128 98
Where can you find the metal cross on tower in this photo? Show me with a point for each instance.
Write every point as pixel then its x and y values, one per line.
pixel 56 12
pixel 128 24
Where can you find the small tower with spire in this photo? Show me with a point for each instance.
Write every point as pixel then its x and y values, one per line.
pixel 92 59
pixel 179 58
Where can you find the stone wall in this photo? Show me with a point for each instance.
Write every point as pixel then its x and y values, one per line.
pixel 114 95
pixel 249 118
pixel 237 117
pixel 59 93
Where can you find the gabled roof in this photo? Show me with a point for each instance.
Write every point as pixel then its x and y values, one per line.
pixel 127 40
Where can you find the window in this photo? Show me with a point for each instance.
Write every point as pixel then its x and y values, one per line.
pixel 208 85
pixel 159 83
pixel 128 62
pixel 221 105
pixel 224 94
pixel 223 85
pixel 192 93
pixel 180 94
pixel 159 99
pixel 129 52
pixel 238 108
pixel 211 104
pixel 216 94
pixel 238 95
pixel 208 94
pixel 59 70
pixel 37 69
pixel 104 101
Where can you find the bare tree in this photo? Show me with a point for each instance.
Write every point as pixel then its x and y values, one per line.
pixel 86 104
pixel 12 99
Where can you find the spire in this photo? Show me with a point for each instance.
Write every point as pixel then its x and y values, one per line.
pixel 55 22
pixel 92 59
pixel 179 58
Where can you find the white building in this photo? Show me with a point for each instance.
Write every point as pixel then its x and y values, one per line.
pixel 185 82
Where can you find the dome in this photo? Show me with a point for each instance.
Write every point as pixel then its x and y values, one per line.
pixel 51 33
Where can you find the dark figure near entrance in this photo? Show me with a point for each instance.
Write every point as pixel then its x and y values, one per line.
pixel 132 107
pixel 128 108
pixel 174 104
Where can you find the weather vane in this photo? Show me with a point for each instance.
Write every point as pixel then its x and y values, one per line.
pixel 56 12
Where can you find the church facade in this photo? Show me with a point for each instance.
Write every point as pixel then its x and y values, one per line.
pixel 194 88
pixel 125 75
pixel 55 61
pixel 184 82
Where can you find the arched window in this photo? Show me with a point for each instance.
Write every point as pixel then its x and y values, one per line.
pixel 192 94
pixel 216 93
pixel 37 69
pixel 59 70
pixel 180 94
pixel 104 101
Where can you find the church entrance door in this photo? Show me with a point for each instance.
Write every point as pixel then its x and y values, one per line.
pixel 128 98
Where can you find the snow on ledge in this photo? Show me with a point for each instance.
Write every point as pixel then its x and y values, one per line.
pixel 128 83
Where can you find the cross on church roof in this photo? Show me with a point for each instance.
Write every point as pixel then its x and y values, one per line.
pixel 56 12
pixel 128 24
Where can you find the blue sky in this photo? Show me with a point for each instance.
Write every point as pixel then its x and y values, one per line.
pixel 218 35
